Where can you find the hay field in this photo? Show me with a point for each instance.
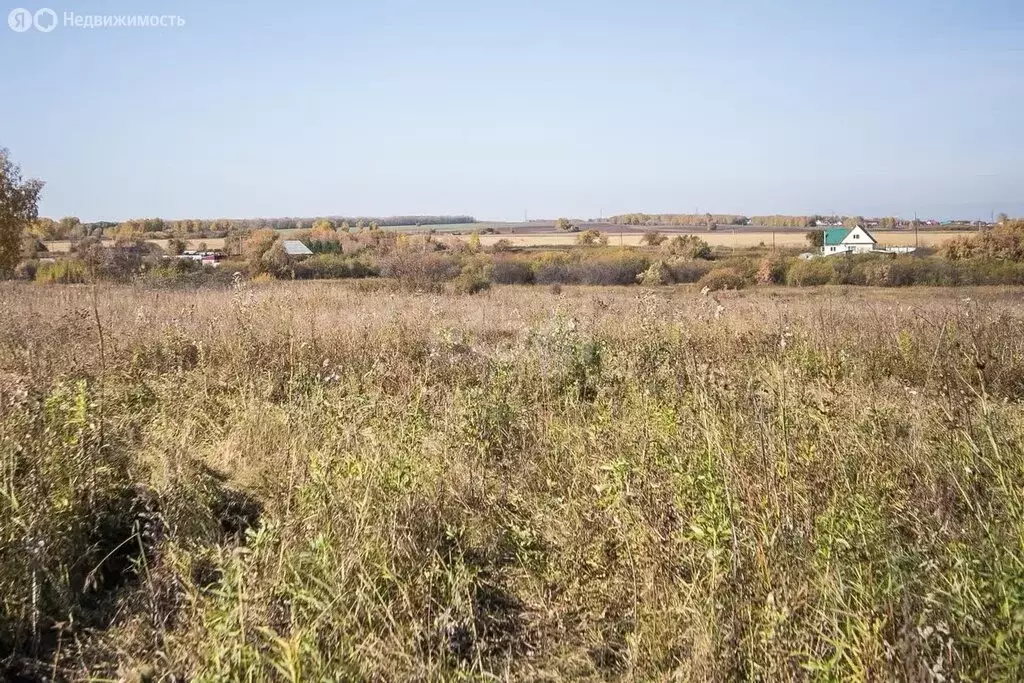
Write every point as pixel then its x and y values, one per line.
pixel 338 481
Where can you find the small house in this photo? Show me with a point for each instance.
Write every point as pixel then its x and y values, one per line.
pixel 854 240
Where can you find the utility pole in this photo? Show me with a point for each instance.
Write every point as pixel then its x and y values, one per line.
pixel 917 226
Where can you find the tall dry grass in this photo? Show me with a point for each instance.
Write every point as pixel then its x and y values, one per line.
pixel 310 481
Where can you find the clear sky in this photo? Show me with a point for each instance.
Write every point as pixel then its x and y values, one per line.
pixel 555 107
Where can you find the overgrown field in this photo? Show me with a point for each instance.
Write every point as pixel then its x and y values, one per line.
pixel 328 481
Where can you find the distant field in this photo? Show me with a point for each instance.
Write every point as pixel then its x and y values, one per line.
pixel 454 227
pixel 720 238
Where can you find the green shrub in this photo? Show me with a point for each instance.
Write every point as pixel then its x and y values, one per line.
pixel 330 266
pixel 64 272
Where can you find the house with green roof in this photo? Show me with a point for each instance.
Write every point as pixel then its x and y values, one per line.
pixel 855 240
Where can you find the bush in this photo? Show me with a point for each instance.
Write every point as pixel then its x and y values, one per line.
pixel 507 271
pixel 657 274
pixel 810 272
pixel 475 276
pixel 722 278
pixel 328 266
pixel 612 269
pixel 552 267
pixel 552 272
pixel 687 246
pixel 653 238
pixel 419 270
pixel 591 238
pixel 63 272
pixel 771 271
pixel 1005 241
pixel 470 283
pixel 26 270
pixel 686 270
pixel 502 245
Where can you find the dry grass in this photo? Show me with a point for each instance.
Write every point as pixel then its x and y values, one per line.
pixel 310 481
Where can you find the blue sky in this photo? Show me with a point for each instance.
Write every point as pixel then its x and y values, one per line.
pixel 496 108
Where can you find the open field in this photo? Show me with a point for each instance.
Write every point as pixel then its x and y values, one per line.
pixel 324 481
pixel 629 237
pixel 717 238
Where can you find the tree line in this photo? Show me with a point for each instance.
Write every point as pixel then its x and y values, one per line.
pixel 71 227
pixel 714 220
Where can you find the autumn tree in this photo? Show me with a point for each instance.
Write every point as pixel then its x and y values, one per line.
pixel 816 238
pixel 46 229
pixel 565 225
pixel 19 206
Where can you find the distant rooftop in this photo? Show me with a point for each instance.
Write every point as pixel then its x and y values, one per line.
pixel 296 248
